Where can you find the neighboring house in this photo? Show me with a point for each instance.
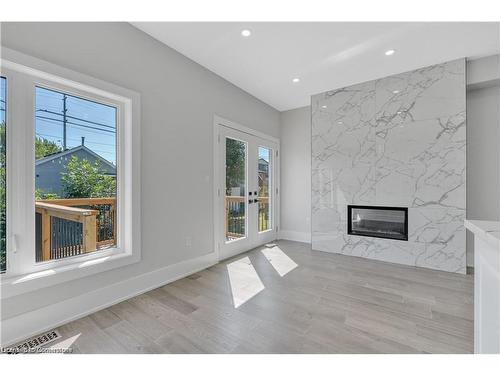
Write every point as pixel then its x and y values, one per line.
pixel 263 172
pixel 263 165
pixel 50 168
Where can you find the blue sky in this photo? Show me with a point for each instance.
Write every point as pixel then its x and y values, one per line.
pixel 264 153
pixel 96 122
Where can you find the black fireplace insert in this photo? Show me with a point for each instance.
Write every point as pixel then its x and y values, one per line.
pixel 376 221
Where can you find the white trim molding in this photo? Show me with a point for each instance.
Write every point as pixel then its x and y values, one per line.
pixel 295 236
pixel 24 73
pixel 218 120
pixel 265 140
pixel 52 316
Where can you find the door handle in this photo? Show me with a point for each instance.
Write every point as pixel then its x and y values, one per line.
pixel 15 243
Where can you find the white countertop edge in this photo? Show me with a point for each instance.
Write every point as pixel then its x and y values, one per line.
pixel 487 230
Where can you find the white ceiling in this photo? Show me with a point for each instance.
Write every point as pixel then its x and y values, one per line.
pixel 324 55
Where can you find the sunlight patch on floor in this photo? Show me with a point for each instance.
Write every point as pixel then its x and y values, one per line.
pixel 279 260
pixel 244 280
pixel 66 344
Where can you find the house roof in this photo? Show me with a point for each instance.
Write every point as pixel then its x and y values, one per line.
pixel 70 151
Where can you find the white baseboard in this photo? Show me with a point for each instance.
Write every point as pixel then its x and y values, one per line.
pixel 32 323
pixel 295 236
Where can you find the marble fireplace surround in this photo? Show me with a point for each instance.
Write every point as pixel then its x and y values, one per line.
pixel 396 141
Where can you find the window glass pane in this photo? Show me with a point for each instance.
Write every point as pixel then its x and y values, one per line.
pixel 264 166
pixel 75 188
pixel 3 174
pixel 236 152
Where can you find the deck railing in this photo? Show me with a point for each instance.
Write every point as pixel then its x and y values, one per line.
pixel 68 227
pixel 264 219
pixel 235 216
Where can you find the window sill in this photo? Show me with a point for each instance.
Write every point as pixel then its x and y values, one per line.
pixel 11 286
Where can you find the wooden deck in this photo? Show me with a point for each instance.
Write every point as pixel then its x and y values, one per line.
pixel 69 227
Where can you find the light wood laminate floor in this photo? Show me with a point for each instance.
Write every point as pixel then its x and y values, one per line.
pixel 289 300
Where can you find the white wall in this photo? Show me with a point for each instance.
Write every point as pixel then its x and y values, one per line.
pixel 296 174
pixel 484 72
pixel 483 158
pixel 483 155
pixel 179 99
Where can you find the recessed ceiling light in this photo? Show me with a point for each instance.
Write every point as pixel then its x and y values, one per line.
pixel 246 33
pixel 296 80
pixel 389 52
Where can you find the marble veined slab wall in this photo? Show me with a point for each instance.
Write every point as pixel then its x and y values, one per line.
pixel 396 141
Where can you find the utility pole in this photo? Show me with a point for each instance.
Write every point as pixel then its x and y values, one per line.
pixel 64 122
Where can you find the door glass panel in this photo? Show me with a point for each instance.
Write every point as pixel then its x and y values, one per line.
pixel 235 202
pixel 264 179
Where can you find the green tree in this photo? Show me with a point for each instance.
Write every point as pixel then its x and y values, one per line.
pixel 42 195
pixel 83 179
pixel 235 164
pixel 44 147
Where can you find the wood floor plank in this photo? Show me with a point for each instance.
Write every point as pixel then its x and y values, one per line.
pixel 170 300
pixel 207 336
pixel 133 340
pixel 89 338
pixel 329 303
pixel 143 322
pixel 175 343
pixel 105 318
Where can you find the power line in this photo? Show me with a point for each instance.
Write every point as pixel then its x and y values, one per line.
pixel 99 132
pixel 75 124
pixel 75 139
pixel 56 96
pixel 48 136
pixel 89 101
pixel 84 106
pixel 104 152
pixel 76 118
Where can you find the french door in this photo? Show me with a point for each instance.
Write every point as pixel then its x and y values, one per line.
pixel 246 191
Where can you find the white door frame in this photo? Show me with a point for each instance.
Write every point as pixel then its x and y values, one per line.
pixel 217 189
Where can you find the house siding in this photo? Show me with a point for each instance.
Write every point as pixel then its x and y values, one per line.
pixel 48 174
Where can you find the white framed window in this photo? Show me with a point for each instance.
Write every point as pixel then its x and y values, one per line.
pixel 73 193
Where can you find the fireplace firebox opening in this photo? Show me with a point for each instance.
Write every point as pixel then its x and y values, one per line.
pixel 376 221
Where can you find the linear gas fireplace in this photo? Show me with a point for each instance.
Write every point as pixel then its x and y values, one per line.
pixel 373 221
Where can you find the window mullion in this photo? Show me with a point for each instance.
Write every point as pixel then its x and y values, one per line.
pixel 20 180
